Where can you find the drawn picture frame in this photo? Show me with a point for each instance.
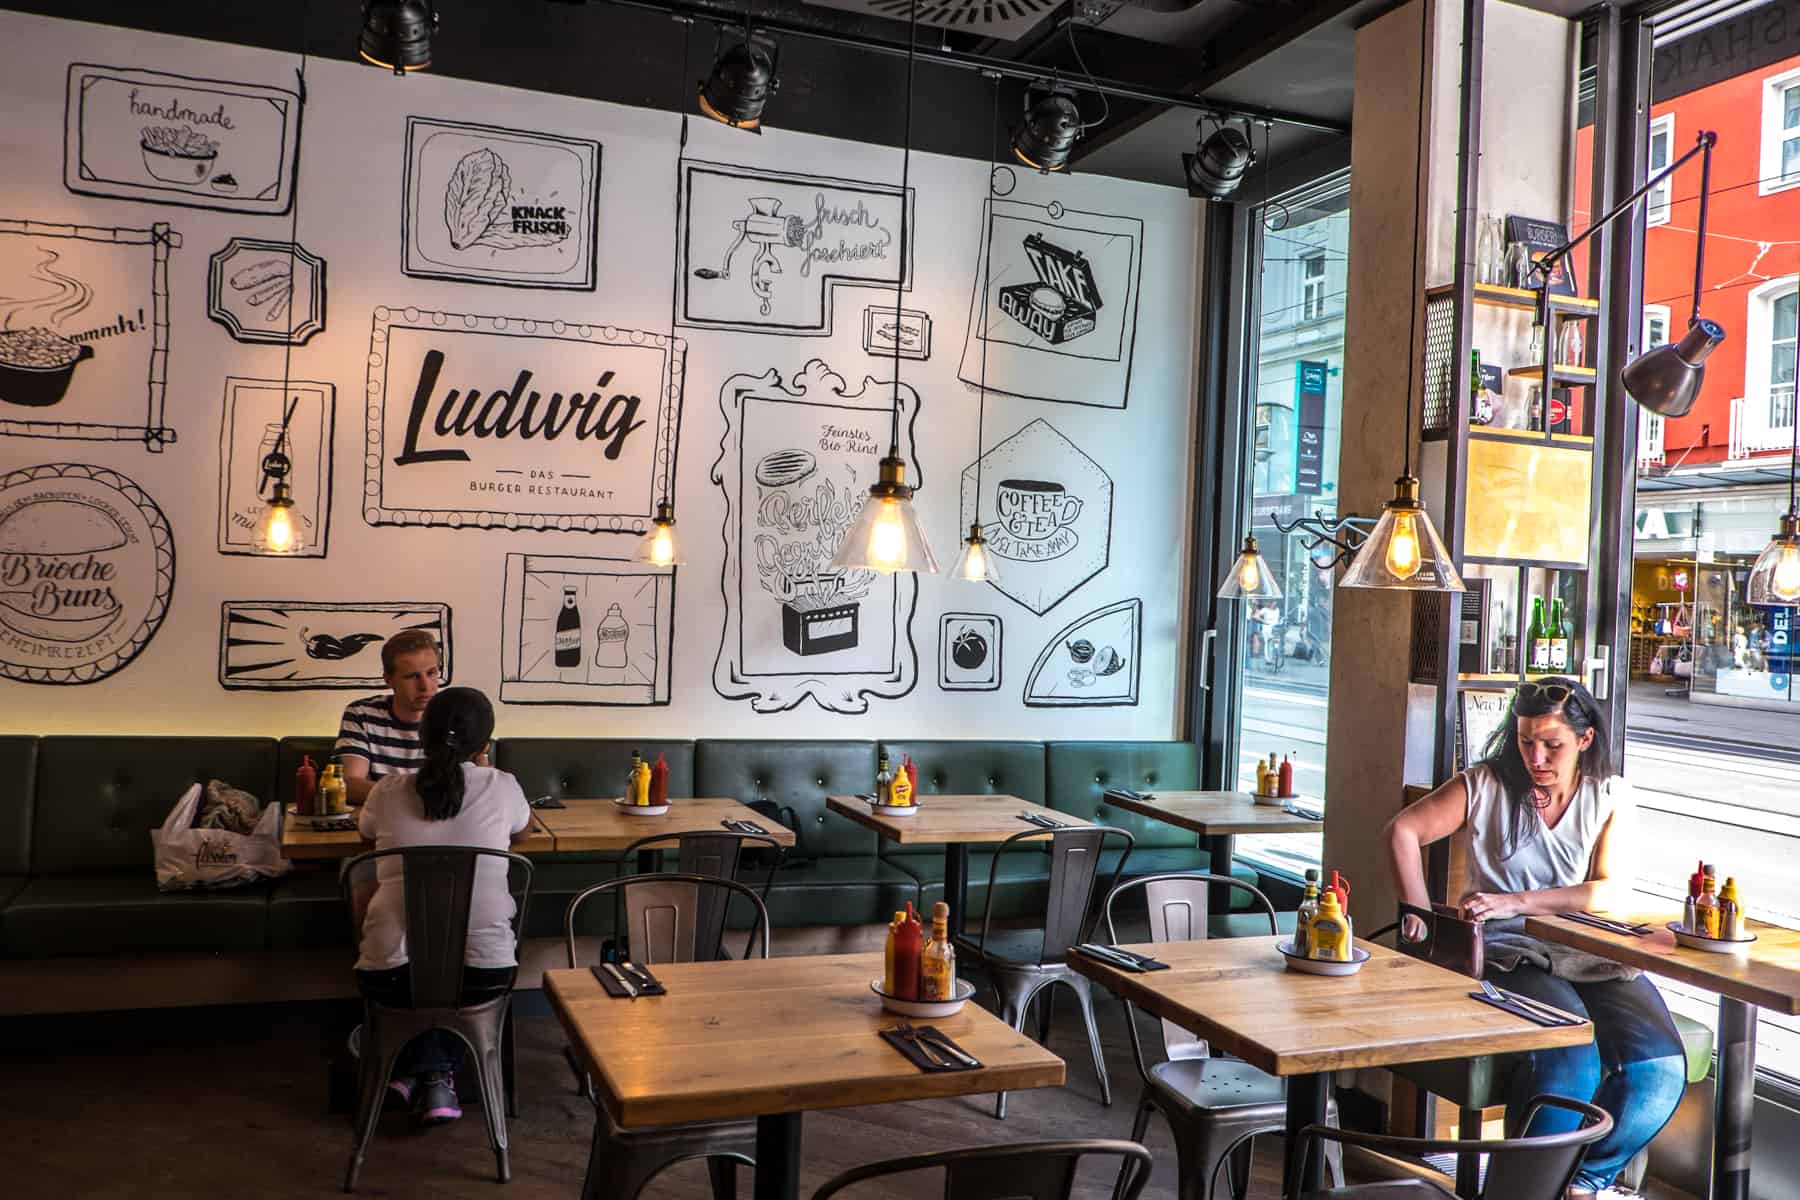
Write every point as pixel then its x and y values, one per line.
pixel 248 430
pixel 251 291
pixel 312 645
pixel 616 650
pixel 1095 661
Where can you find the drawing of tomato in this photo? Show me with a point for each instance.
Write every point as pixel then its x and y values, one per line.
pixel 969 650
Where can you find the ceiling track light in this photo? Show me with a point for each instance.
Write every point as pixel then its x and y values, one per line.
pixel 1050 128
pixel 1220 160
pixel 742 79
pixel 396 34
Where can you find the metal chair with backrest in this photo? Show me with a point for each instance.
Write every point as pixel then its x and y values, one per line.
pixel 665 913
pixel 716 854
pixel 439 882
pixel 1214 1106
pixel 1021 963
pixel 1526 1168
pixel 1023 1171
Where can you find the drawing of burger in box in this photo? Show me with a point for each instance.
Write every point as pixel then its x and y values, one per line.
pixel 1062 304
pixel 820 607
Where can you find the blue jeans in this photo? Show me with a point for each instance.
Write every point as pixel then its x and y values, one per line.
pixel 1635 1067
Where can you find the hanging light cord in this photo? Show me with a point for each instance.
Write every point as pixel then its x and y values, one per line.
pixel 1700 238
pixel 1794 456
pixel 987 287
pixel 1105 104
pixel 1412 328
pixel 912 42
pixel 287 349
pixel 687 44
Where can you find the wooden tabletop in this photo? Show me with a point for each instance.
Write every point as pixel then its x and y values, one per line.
pixel 592 825
pixel 1216 814
pixel 941 819
pixel 1236 993
pixel 767 1036
pixel 302 844
pixel 1765 973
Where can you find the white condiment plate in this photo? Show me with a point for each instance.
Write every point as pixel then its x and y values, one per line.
pixel 642 810
pixel 925 1010
pixel 894 810
pixel 300 820
pixel 1322 966
pixel 1712 945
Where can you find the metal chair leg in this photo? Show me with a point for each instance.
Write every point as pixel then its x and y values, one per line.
pixel 1046 1007
pixel 1015 1003
pixel 377 1069
pixel 1085 996
pixel 1140 1125
pixel 724 1177
pixel 1237 1169
pixel 509 1063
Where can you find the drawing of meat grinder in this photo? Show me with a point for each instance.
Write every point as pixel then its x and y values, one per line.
pixel 767 229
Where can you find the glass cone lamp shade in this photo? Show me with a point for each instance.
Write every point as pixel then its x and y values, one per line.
pixel 1250 577
pixel 976 565
pixel 1775 579
pixel 658 546
pixel 279 530
pixel 1403 551
pixel 1667 379
pixel 886 535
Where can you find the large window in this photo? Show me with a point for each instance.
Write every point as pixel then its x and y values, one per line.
pixel 1780 132
pixel 1662 143
pixel 1297 375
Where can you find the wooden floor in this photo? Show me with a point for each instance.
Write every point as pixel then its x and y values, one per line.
pixel 232 1104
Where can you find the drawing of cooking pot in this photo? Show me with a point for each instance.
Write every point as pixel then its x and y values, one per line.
pixel 1034 509
pixel 36 366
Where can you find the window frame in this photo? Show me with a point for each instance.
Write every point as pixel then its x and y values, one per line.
pixel 1759 347
pixel 1659 202
pixel 1313 287
pixel 1775 133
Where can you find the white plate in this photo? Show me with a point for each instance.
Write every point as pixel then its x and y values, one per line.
pixel 642 810
pixel 924 1010
pixel 302 820
pixel 1322 966
pixel 1699 941
pixel 893 810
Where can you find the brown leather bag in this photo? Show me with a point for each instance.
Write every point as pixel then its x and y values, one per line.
pixel 1450 941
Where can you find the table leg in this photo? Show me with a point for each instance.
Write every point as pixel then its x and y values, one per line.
pixel 1734 1100
pixel 1219 850
pixel 1306 1096
pixel 649 862
pixel 777 1157
pixel 956 886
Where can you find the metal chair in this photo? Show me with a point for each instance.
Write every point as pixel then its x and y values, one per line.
pixel 1021 963
pixel 1528 1168
pixel 1022 1171
pixel 438 881
pixel 1215 1107
pixel 667 915
pixel 716 854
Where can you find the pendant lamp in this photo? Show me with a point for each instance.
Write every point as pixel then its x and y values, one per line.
pixel 886 535
pixel 1775 579
pixel 1250 577
pixel 976 565
pixel 1403 551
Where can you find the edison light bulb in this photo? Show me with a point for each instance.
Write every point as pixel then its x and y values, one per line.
pixel 662 545
pixel 1250 573
pixel 887 538
pixel 1403 547
pixel 1786 581
pixel 974 563
pixel 278 529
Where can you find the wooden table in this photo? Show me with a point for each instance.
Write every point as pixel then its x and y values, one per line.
pixel 771 1039
pixel 1217 817
pixel 1765 974
pixel 1235 993
pixel 301 844
pixel 601 825
pixel 956 823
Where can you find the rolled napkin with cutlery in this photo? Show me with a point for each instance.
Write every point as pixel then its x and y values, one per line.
pixel 1124 960
pixel 1041 821
pixel 1535 1011
pixel 929 1049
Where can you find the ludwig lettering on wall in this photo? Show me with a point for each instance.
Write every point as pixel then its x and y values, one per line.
pixel 84 332
pixel 169 139
pixel 502 423
pixel 585 631
pixel 499 206
pixel 249 433
pixel 765 251
pixel 87 566
pixel 1058 311
pixel 796 463
pixel 294 645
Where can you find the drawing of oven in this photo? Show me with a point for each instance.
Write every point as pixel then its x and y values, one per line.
pixel 820 624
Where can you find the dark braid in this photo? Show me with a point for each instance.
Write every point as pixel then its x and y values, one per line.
pixel 457 726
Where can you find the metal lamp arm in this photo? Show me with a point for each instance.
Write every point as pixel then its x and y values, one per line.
pixel 1346 533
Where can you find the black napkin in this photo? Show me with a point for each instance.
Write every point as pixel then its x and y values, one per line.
pixel 739 826
pixel 647 984
pixel 1519 1010
pixel 917 1058
pixel 1124 960
pixel 610 983
pixel 1041 821
pixel 1129 794
pixel 1607 924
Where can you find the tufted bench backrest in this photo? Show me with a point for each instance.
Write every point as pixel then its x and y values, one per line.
pixel 1078 774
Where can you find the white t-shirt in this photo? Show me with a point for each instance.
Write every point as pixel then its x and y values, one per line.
pixel 1550 858
pixel 493 812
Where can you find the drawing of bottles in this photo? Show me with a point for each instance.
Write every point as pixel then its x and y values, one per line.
pixel 609 648
pixel 568 631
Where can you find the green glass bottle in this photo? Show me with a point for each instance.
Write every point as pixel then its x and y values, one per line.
pixel 1559 639
pixel 1537 642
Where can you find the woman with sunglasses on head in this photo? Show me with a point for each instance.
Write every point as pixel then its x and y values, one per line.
pixel 1544 823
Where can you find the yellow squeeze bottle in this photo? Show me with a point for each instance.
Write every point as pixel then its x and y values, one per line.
pixel 900 790
pixel 1330 931
pixel 887 975
pixel 638 781
pixel 1731 911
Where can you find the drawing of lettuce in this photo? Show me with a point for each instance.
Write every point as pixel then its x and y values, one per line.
pixel 477 206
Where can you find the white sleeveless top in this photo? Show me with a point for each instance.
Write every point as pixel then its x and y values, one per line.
pixel 1550 858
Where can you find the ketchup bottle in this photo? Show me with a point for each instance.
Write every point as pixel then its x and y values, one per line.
pixel 1341 886
pixel 306 787
pixel 912 777
pixel 1285 788
pixel 659 781
pixel 909 946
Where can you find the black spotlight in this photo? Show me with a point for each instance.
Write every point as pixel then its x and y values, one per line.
pixel 396 34
pixel 1218 164
pixel 742 80
pixel 1051 126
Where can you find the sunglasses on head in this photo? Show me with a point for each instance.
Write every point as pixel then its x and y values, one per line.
pixel 1555 693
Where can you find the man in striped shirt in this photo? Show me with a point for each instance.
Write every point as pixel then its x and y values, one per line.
pixel 379 735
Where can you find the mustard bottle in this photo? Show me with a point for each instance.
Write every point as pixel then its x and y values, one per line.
pixel 331 787
pixel 1731 911
pixel 1330 931
pixel 887 974
pixel 900 790
pixel 638 782
pixel 1262 778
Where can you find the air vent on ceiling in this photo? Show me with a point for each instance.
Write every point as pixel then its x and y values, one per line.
pixel 1008 19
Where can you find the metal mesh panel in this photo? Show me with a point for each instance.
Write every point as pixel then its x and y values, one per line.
pixel 1427 635
pixel 1440 371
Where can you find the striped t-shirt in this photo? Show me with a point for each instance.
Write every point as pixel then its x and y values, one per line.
pixel 371 731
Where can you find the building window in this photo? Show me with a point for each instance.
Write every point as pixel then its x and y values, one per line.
pixel 1662 146
pixel 1656 325
pixel 1312 287
pixel 1780 133
pixel 1765 419
pixel 1781 361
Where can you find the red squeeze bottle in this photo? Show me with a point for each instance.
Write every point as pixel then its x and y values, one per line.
pixel 1341 886
pixel 659 781
pixel 1286 777
pixel 909 945
pixel 306 786
pixel 912 777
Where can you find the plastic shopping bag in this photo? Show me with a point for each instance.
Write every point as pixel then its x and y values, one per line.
pixel 188 858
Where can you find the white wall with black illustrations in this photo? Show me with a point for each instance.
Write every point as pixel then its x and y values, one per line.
pixel 543 316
